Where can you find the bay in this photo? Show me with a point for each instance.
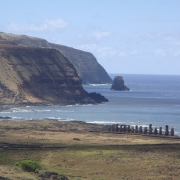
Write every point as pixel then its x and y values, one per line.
pixel 153 99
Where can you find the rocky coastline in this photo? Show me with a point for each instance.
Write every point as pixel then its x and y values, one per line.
pixel 39 76
pixel 86 65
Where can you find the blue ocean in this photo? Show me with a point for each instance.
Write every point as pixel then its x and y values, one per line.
pixel 153 99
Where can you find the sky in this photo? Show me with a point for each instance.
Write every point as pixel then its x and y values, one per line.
pixel 125 36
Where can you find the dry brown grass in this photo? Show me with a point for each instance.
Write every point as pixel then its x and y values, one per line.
pixel 68 148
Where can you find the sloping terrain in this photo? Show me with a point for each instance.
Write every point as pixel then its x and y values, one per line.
pixel 88 69
pixel 38 75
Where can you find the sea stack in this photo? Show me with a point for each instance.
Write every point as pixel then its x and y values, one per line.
pixel 118 84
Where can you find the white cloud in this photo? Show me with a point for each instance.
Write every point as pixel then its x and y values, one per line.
pixel 80 36
pixel 177 53
pixel 172 38
pixel 150 36
pixel 159 52
pixel 88 47
pixel 97 16
pixel 122 54
pixel 98 50
pixel 173 41
pixel 100 34
pixel 46 25
pixel 135 36
pixel 106 51
pixel 133 52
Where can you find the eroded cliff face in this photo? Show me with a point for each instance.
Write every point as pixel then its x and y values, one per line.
pixel 38 75
pixel 88 69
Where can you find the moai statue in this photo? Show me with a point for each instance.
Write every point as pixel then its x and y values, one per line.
pixel 128 129
pixel 155 131
pixel 136 129
pixel 111 128
pixel 166 130
pixel 132 129
pixel 150 129
pixel 160 131
pixel 120 129
pixel 172 131
pixel 140 129
pixel 124 130
pixel 116 127
pixel 145 130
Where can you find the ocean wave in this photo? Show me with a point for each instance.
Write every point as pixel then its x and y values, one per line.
pixel 4 112
pixel 97 84
pixel 21 110
pixel 86 104
pixel 177 133
pixel 29 110
pixel 48 110
pixel 15 118
pixel 59 118
pixel 64 111
pixel 68 106
pixel 54 118
pixel 102 122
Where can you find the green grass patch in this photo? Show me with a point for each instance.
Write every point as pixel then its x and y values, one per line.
pixel 29 165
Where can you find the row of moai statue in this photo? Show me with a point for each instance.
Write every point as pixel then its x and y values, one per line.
pixel 140 130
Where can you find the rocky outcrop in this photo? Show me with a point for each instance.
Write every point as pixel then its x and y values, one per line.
pixel 52 175
pixel 4 178
pixel 118 84
pixel 98 97
pixel 38 75
pixel 88 69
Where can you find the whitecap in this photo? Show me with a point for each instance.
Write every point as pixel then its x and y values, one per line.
pixel 102 122
pixel 48 110
pixel 97 84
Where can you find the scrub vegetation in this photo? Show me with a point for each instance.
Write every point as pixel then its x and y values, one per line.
pixel 52 146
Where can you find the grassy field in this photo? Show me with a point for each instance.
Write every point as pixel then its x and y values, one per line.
pixel 69 148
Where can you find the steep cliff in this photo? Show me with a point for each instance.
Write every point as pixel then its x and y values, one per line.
pixel 88 69
pixel 38 75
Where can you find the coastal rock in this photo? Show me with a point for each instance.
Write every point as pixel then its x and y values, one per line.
pixel 98 97
pixel 86 65
pixel 38 76
pixel 118 84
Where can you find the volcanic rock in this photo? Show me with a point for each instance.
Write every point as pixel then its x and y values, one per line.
pixel 86 65
pixel 52 175
pixel 118 84
pixel 98 97
pixel 31 75
pixel 4 178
